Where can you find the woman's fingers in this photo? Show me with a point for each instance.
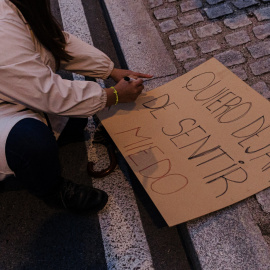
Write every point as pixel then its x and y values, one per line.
pixel 118 74
pixel 138 82
pixel 142 75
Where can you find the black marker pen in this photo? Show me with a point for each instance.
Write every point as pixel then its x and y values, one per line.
pixel 128 79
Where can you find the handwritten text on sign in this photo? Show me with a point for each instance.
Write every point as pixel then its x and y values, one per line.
pixel 198 143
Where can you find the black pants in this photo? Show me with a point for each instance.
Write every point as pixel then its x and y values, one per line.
pixel 32 153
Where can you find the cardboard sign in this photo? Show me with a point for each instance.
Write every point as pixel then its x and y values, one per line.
pixel 198 143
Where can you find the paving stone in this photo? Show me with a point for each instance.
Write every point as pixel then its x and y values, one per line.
pixel 240 72
pixel 263 196
pixel 190 65
pixel 237 22
pixel 209 46
pixel 263 89
pixel 260 49
pixel 167 26
pixel 191 19
pixel 155 3
pixel 230 58
pixel 262 31
pixel 260 67
pixel 267 239
pixel 261 217
pixel 190 5
pixel 208 30
pixel 244 3
pixel 180 37
pixel 229 239
pixel 185 53
pixel 237 38
pixel 218 11
pixel 164 13
pixel 213 2
pixel 262 14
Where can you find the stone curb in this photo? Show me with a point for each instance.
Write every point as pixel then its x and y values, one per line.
pixel 140 42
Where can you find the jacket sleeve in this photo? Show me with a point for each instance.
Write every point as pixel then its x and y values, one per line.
pixel 88 60
pixel 26 80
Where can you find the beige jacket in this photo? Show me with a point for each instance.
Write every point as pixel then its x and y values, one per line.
pixel 28 79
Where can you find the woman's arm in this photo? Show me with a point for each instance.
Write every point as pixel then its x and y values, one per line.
pixel 88 60
pixel 26 80
pixel 118 74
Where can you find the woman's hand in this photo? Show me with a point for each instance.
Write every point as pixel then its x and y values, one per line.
pixel 127 91
pixel 118 74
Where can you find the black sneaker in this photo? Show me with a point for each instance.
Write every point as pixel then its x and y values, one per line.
pixel 81 198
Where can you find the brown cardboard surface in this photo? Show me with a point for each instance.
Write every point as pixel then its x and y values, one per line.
pixel 198 143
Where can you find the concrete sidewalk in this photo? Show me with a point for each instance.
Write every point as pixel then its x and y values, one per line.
pixel 168 38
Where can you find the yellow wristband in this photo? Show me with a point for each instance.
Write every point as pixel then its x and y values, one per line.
pixel 116 95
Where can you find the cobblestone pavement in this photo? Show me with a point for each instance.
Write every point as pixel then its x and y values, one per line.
pixel 237 33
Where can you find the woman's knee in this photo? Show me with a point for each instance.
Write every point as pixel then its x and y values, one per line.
pixel 30 141
pixel 32 154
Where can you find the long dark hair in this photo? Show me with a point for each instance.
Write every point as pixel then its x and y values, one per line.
pixel 45 27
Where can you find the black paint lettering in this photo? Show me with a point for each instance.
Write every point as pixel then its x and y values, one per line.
pixel 220 94
pixel 235 113
pixel 208 93
pixel 228 106
pixel 249 129
pixel 201 81
pixel 181 125
pixel 219 153
pixel 165 109
pixel 256 136
pixel 157 103
pixel 220 102
pixel 238 175
pixel 220 171
pixel 183 140
pixel 267 165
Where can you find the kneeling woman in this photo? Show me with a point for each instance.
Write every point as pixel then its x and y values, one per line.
pixel 33 48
